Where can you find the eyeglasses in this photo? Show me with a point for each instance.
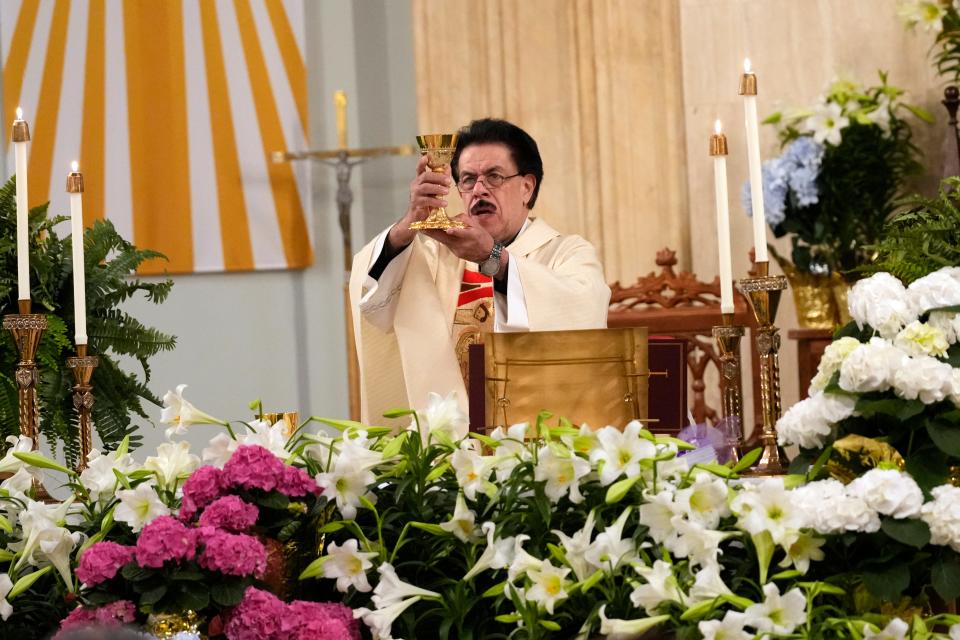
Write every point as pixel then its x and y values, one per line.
pixel 492 180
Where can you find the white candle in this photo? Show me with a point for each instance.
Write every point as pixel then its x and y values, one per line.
pixel 718 149
pixel 75 189
pixel 21 135
pixel 748 89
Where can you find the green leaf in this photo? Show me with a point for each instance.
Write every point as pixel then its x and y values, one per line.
pixel 920 112
pixel 591 581
pixel 682 445
pixel 121 478
pixel 437 471
pixel 5 525
pixel 26 582
pixel 153 596
pixel 6 555
pixel 485 439
pixel 193 596
pixel 945 576
pixel 433 529
pixel 716 469
pixel 914 533
pixel 41 462
pixel 763 542
pixel 332 527
pixel 509 618
pixel 619 490
pixel 398 413
pixel 946 436
pixel 895 407
pixel 550 625
pixel 748 460
pixel 888 582
pixel 495 590
pixel 228 593
pixel 394 445
pixel 700 609
pixel 339 425
pixel 786 575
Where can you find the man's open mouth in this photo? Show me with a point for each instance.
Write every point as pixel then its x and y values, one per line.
pixel 482 207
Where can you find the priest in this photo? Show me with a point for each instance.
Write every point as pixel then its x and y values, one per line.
pixel 421 298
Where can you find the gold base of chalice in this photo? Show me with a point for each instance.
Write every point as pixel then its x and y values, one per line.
pixel 439 148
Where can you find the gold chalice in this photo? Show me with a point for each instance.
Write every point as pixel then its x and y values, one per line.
pixel 439 148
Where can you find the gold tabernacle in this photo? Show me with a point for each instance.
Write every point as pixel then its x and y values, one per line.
pixel 593 376
pixel 439 148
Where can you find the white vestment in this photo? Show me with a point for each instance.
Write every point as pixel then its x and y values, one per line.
pixel 403 321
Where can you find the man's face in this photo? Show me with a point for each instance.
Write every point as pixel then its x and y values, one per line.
pixel 500 210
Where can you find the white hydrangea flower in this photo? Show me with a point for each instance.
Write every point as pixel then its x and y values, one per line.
pixel 777 614
pixel 922 339
pixel 935 290
pixel 955 388
pixel 889 491
pixel 942 515
pixel 810 421
pixel 828 508
pixel 833 356
pixel 948 322
pixel 881 302
pixel 661 586
pixel 871 366
pixel 926 378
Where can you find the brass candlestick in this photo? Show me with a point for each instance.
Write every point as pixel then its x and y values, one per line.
pixel 82 366
pixel 728 338
pixel 763 292
pixel 439 148
pixel 27 328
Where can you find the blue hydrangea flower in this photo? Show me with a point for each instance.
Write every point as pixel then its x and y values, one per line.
pixel 795 172
pixel 774 192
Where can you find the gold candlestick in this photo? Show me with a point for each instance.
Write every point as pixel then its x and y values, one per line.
pixel 728 337
pixel 27 328
pixel 82 366
pixel 763 292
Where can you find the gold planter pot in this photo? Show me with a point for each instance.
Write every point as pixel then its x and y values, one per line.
pixel 821 301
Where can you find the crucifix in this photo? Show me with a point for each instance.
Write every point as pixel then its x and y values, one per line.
pixel 344 159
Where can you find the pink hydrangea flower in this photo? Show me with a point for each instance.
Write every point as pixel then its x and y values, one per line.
pixel 110 615
pixel 202 487
pixel 297 483
pixel 232 554
pixel 230 513
pixel 79 617
pixel 101 562
pixel 258 617
pixel 163 540
pixel 253 467
pixel 328 620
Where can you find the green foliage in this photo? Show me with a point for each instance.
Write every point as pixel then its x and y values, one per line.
pixel 112 333
pixel 946 48
pixel 922 239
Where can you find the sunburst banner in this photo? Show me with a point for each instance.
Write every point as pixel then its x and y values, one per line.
pixel 174 109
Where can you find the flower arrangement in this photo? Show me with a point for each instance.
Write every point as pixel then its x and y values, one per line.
pixel 942 18
pixel 844 163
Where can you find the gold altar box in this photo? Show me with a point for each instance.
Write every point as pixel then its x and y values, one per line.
pixel 592 376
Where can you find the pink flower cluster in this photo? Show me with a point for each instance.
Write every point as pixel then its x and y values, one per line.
pixel 262 616
pixel 163 540
pixel 101 562
pixel 114 614
pixel 232 554
pixel 230 513
pixel 253 467
pixel 297 483
pixel 202 487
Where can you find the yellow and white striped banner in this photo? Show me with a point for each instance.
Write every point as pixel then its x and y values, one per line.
pixel 173 108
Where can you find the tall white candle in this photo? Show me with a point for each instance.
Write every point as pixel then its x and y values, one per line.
pixel 748 89
pixel 75 189
pixel 718 149
pixel 21 136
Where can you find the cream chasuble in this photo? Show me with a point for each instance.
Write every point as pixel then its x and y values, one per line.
pixel 405 335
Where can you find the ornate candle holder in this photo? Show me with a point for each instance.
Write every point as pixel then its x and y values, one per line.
pixel 82 366
pixel 728 337
pixel 27 328
pixel 763 292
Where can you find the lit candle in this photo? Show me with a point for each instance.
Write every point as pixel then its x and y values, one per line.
pixel 21 136
pixel 718 149
pixel 340 102
pixel 75 189
pixel 748 89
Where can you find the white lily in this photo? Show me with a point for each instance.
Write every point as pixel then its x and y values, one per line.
pixel 497 555
pixel 219 450
pixel 346 483
pixel 391 589
pixel 35 521
pixel 617 629
pixel 708 585
pixel 658 513
pixel 11 464
pixel 172 462
pixel 99 478
pixel 767 506
pixel 804 548
pixel 826 123
pixel 180 414
pixel 6 584
pixel 512 449
pixel 380 621
pixel 521 562
pixel 442 415
pixel 472 472
pixel 348 565
pixel 272 437
pixel 139 506
pixel 730 628
pixel 55 546
pixel 777 614
pixel 620 452
pixel 463 523
pixel 696 542
pixel 549 585
pixel 706 500
pixel 661 586
pixel 562 472
pixel 575 548
pixel 611 549
pixel 896 629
